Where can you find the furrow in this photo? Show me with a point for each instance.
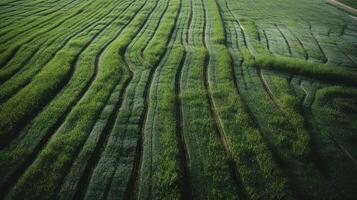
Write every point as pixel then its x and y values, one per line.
pixel 182 146
pixel 20 124
pixel 213 110
pixel 134 180
pixel 208 165
pixel 11 52
pixel 153 32
pixel 149 139
pixel 17 82
pixel 324 58
pixel 219 131
pixel 16 175
pixel 185 185
pixel 62 131
pixel 144 115
pixel 266 40
pixel 35 18
pixel 29 30
pixel 285 39
pixel 84 181
pixel 268 90
pixel 244 35
pixel 26 30
pixel 105 189
pixel 93 160
pixel 302 45
pixel 134 56
pixel 309 115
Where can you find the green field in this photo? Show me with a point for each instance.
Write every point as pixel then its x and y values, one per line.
pixel 178 99
pixel 351 3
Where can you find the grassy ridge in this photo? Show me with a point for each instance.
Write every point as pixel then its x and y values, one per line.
pixel 263 59
pixel 329 73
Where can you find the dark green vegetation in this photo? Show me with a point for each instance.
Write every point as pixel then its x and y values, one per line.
pixel 351 3
pixel 177 99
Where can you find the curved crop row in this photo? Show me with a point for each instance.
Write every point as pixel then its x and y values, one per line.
pixel 48 120
pixel 9 49
pixel 78 123
pixel 234 116
pixel 111 151
pixel 208 165
pixel 42 90
pixel 334 107
pixel 27 18
pixel 33 56
pixel 24 28
pixel 160 175
pixel 281 134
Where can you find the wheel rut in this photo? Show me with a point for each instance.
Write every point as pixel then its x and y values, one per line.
pixel 123 53
pixel 130 57
pixel 21 124
pixel 93 160
pixel 217 122
pixel 285 39
pixel 79 11
pixel 3 98
pixel 11 181
pixel 183 152
pixel 14 51
pixel 134 178
pixel 39 24
pixel 324 58
pixel 266 40
pixel 306 54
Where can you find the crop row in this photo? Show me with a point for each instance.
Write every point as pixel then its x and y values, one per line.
pixel 33 56
pixel 30 18
pixel 96 90
pixel 60 68
pixel 296 139
pixel 252 156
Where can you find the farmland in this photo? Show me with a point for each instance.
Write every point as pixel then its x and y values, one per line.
pixel 178 99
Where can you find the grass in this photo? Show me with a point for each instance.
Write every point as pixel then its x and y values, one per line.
pixel 175 99
pixel 351 3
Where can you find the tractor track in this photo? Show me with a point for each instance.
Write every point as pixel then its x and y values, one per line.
pixel 134 179
pixel 182 146
pixel 17 174
pixel 285 39
pixel 140 58
pixel 324 57
pixel 14 51
pixel 21 123
pixel 93 160
pixel 53 54
pixel 214 114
